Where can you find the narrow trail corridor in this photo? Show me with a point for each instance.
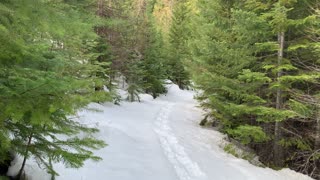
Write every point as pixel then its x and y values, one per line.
pixel 159 140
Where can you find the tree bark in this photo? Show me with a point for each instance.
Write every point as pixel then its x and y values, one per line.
pixel 25 157
pixel 100 10
pixel 277 149
pixel 317 140
pixel 53 176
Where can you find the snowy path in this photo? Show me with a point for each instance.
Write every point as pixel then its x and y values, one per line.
pixel 185 168
pixel 159 140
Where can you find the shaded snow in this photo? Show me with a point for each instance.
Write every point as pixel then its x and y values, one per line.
pixel 158 140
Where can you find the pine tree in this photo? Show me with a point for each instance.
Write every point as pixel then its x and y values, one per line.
pixel 45 78
pixel 146 71
pixel 247 59
pixel 288 74
pixel 100 59
pixel 153 65
pixel 222 57
pixel 178 48
pixel 134 79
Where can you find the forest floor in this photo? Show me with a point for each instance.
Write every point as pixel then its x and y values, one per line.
pixel 158 140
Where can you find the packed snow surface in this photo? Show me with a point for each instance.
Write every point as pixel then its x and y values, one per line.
pixel 158 140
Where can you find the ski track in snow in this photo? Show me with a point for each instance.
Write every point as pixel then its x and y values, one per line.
pixel 185 168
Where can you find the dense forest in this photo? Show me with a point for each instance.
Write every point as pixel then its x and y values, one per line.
pixel 255 63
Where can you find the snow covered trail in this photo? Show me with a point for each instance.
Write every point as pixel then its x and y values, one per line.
pixel 185 168
pixel 158 140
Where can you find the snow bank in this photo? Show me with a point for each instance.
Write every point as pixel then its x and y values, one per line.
pixel 33 171
pixel 158 140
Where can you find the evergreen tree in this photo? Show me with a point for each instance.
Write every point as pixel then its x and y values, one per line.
pixel 134 79
pixel 289 76
pixel 45 78
pixel 100 59
pixel 152 64
pixel 248 59
pixel 178 47
pixel 146 71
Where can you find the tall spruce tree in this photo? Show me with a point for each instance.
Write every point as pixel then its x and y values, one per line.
pixel 178 44
pixel 146 70
pixel 153 64
pixel 288 76
pixel 45 78
pixel 249 59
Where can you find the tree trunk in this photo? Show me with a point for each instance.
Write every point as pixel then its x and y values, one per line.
pixel 100 10
pixel 317 140
pixel 25 157
pixel 53 176
pixel 277 149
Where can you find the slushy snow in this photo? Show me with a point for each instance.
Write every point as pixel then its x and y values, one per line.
pixel 157 140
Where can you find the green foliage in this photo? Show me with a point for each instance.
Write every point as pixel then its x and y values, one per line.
pixel 247 134
pixel 264 114
pixel 303 110
pixel 177 52
pixel 298 143
pixel 277 17
pixel 48 146
pixel 46 75
pixel 148 73
pixel 253 77
pixel 4 178
pixel 134 80
pixel 234 59
pixel 236 152
pixel 133 92
pixel 229 148
pixel 153 66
